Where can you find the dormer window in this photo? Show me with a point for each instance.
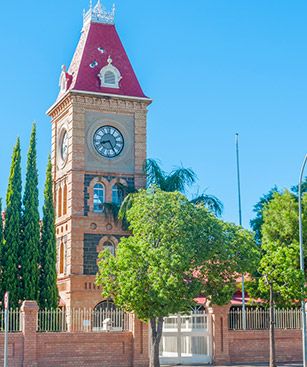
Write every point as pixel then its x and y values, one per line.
pixel 109 75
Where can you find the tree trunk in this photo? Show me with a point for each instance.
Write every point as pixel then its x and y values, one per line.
pixel 156 326
pixel 272 329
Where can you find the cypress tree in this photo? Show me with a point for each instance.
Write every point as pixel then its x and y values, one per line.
pixel 30 227
pixel 12 239
pixel 1 247
pixel 48 276
pixel 1 224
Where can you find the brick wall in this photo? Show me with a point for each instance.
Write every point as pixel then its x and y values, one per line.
pixel 85 349
pixel 253 346
pixel 30 348
pixel 15 349
pixel 250 346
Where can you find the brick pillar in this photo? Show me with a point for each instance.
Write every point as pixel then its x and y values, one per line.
pixel 29 312
pixel 220 342
pixel 140 355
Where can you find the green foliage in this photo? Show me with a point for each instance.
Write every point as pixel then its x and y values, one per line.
pixel 149 273
pixel 294 189
pixel 31 228
pixel 211 202
pixel 1 246
pixel 179 180
pixel 1 226
pixel 12 237
pixel 233 252
pixel 48 297
pixel 279 264
pixel 257 222
pixel 177 251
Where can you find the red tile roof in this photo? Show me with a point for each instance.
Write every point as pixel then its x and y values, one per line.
pixel 85 78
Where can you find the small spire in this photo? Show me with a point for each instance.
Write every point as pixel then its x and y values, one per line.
pixel 110 60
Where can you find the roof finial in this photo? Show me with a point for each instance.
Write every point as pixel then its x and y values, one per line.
pixel 98 14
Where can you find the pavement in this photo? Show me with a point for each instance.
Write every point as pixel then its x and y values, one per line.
pixel 241 365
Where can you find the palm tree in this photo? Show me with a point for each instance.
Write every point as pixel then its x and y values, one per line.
pixel 177 180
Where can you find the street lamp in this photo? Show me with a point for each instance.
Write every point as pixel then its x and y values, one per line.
pixel 302 260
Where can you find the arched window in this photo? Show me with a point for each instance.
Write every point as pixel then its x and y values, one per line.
pixel 60 202
pixel 107 305
pixel 62 258
pixel 65 200
pixel 99 196
pixel 117 194
pixel 106 310
pixel 110 246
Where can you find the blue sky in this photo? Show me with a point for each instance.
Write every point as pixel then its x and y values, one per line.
pixel 212 67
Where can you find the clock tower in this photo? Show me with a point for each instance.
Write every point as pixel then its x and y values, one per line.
pixel 98 152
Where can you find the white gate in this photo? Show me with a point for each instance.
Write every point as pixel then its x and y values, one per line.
pixel 186 338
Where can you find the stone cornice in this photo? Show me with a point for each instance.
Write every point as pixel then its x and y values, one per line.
pixel 60 106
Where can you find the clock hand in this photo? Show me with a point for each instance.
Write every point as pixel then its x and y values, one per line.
pixel 109 141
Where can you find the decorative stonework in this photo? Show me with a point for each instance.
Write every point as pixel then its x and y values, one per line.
pixel 99 14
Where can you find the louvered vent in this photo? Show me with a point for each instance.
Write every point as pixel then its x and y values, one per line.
pixel 109 78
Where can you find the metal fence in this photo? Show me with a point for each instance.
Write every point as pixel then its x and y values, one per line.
pixel 83 320
pixel 52 320
pixel 259 319
pixel 14 321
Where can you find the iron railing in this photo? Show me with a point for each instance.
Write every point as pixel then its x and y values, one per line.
pixel 83 320
pixel 14 321
pixel 52 320
pixel 259 319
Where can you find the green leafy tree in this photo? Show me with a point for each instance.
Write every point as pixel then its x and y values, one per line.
pixel 257 222
pixel 31 227
pixel 281 282
pixel 12 237
pixel 48 297
pixel 177 251
pixel 294 189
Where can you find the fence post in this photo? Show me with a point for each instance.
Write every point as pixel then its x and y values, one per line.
pixel 140 353
pixel 29 313
pixel 220 337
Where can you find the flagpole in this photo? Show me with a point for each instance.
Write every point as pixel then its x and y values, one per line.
pixel 240 222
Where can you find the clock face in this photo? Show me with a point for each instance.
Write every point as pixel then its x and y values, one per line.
pixel 108 141
pixel 64 146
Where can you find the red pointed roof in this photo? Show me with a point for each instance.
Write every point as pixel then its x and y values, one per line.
pixel 98 42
